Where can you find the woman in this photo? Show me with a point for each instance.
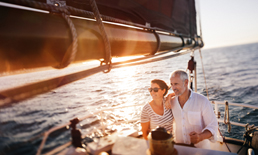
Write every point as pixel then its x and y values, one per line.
pixel 154 113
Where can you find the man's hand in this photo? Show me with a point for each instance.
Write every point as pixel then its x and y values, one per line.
pixel 168 100
pixel 195 137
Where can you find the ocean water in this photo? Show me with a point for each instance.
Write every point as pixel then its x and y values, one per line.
pixel 231 74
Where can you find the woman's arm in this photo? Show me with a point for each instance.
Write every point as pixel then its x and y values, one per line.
pixel 145 129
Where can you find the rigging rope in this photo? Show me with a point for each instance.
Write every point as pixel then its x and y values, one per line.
pixel 103 32
pixel 224 140
pixel 69 56
pixel 204 74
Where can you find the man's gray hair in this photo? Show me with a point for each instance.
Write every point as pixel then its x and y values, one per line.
pixel 182 74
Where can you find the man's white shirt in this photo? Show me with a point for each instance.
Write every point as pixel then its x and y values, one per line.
pixel 196 115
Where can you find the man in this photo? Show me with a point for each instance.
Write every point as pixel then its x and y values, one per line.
pixel 194 119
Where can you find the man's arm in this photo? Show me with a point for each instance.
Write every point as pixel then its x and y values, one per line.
pixel 210 121
pixel 196 138
pixel 210 125
pixel 168 100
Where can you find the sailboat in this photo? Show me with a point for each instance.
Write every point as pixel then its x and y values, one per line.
pixel 40 34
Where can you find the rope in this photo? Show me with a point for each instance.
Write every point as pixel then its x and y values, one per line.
pixel 224 140
pixel 204 74
pixel 40 5
pixel 69 56
pixel 248 135
pixel 226 116
pixel 102 31
pixel 109 66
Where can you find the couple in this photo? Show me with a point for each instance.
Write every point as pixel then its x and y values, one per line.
pixel 189 115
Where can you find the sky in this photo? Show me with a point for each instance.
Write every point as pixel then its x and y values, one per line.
pixel 228 22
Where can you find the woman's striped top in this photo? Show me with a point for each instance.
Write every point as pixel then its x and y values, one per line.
pixel 165 120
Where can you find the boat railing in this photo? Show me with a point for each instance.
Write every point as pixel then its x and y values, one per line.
pixel 103 126
pixel 227 104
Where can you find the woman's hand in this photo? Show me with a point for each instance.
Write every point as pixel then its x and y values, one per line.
pixel 145 130
pixel 168 100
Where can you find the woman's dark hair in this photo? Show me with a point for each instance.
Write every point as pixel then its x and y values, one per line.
pixel 162 84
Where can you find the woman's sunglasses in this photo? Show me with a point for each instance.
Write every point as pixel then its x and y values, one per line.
pixel 154 89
